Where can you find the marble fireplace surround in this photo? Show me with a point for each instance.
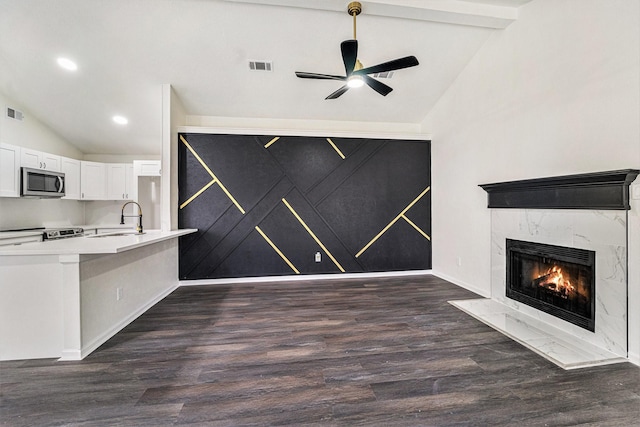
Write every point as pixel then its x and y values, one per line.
pixel 563 211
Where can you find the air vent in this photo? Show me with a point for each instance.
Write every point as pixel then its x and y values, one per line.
pixel 384 75
pixel 14 114
pixel 261 65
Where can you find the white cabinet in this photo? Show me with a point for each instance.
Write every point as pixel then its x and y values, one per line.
pixel 9 170
pixel 120 181
pixel 147 167
pixel 93 181
pixel 71 169
pixel 39 160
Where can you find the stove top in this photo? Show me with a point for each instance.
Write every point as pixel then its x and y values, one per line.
pixel 61 233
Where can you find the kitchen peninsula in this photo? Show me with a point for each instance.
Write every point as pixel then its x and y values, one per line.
pixel 65 298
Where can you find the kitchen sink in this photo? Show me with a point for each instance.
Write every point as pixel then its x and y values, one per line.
pixel 116 233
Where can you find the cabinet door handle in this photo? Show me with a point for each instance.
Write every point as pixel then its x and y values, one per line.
pixel 40 165
pixel 82 195
pixel 45 165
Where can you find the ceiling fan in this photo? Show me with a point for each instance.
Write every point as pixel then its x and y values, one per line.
pixel 356 74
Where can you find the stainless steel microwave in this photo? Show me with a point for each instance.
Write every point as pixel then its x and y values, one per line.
pixel 42 183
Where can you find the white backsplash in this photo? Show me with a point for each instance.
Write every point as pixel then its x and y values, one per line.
pixel 105 212
pixel 28 213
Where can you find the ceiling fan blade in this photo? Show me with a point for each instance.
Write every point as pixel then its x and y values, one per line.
pixel 304 75
pixel 339 92
pixel 379 87
pixel 349 50
pixel 396 64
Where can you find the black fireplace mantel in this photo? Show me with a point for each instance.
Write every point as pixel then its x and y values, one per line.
pixel 598 190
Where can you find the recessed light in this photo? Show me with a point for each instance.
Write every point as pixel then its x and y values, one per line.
pixel 121 120
pixel 67 64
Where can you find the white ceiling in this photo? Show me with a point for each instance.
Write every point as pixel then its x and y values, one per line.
pixel 126 49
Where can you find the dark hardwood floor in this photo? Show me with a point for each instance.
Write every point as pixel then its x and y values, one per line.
pixel 381 352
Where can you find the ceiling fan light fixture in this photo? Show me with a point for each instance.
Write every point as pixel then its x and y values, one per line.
pixel 355 81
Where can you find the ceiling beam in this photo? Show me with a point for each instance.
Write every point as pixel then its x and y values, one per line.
pixel 443 11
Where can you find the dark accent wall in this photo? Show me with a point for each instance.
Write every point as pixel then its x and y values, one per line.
pixel 231 188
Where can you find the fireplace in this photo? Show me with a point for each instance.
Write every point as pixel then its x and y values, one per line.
pixel 562 321
pixel 555 279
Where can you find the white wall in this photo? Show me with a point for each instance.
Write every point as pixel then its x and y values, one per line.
pixel 556 93
pixel 121 158
pixel 299 127
pixel 26 213
pixel 31 133
pixel 173 116
pixel 634 274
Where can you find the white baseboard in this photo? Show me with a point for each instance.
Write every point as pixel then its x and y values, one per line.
pixel 634 358
pixel 300 277
pixel 462 284
pixel 70 355
pixel 101 339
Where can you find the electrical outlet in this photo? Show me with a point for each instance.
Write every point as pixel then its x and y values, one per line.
pixel 118 294
pixel 318 257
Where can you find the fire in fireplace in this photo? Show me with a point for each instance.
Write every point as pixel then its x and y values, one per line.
pixel 555 279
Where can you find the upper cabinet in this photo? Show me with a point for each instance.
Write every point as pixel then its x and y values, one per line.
pixel 84 180
pixel 147 167
pixel 93 181
pixel 106 181
pixel 9 170
pixel 120 181
pixel 71 170
pixel 39 160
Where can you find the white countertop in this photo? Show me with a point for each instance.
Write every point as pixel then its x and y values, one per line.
pixel 14 234
pixel 91 245
pixel 28 233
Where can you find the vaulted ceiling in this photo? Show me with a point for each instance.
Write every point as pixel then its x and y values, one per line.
pixel 126 49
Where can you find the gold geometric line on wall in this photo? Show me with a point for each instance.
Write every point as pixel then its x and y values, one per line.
pixel 335 147
pixel 418 229
pixel 210 172
pixel 278 251
pixel 400 215
pixel 326 251
pixel 190 199
pixel 268 144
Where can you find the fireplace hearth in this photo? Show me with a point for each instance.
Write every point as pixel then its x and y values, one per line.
pixel 555 279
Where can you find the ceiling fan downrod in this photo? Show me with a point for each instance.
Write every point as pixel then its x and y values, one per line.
pixel 354 8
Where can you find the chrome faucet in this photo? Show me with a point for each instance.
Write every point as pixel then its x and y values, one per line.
pixel 122 216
